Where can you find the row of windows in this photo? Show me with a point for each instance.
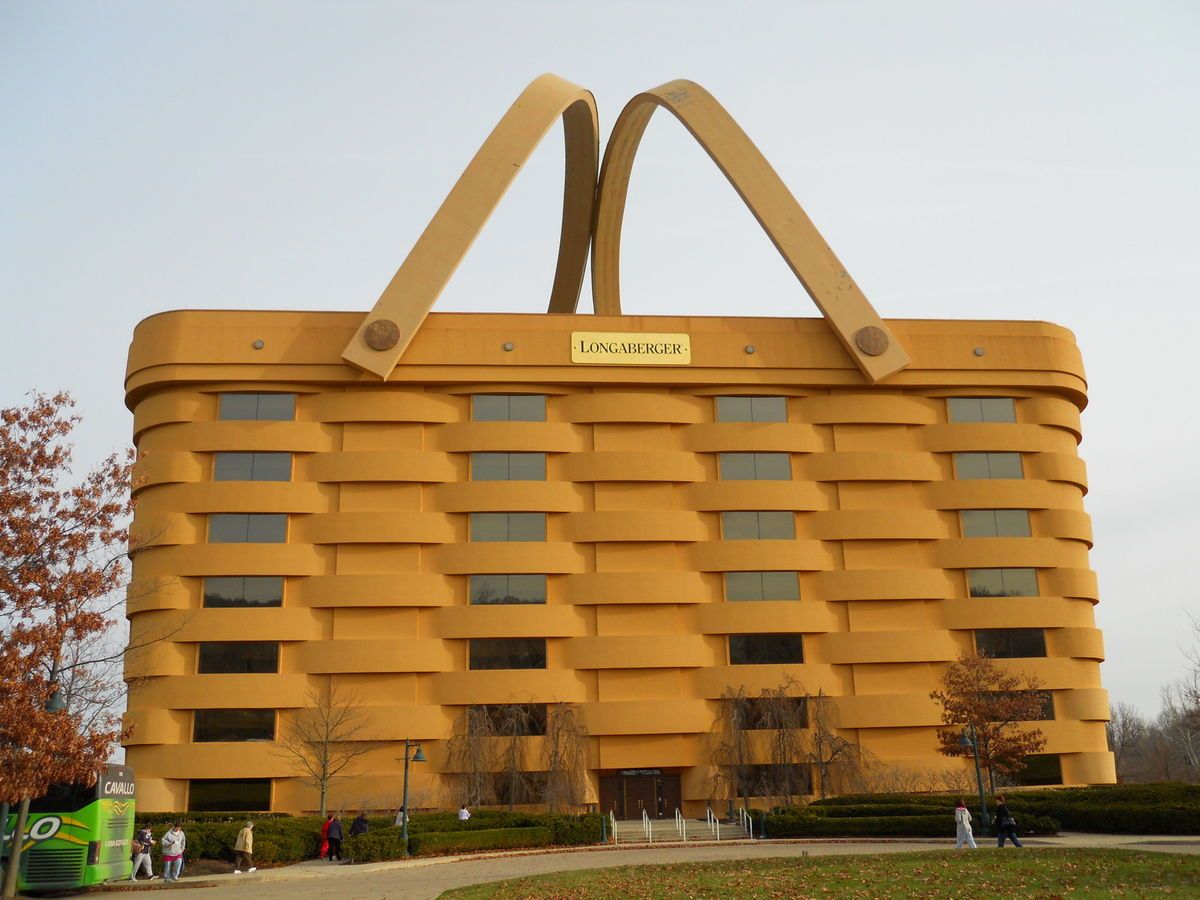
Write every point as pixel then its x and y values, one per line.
pixel 250 657
pixel 254 794
pixel 532 408
pixel 523 719
pixel 228 466
pixel 231 591
pixel 739 525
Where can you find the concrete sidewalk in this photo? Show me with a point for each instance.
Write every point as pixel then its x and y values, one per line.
pixel 423 879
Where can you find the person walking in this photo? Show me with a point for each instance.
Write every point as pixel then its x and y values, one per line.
pixel 359 825
pixel 323 850
pixel 143 843
pixel 243 850
pixel 463 813
pixel 174 843
pixel 335 838
pixel 962 821
pixel 1006 825
pixel 401 817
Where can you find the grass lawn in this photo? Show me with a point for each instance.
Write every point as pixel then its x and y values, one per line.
pixel 980 873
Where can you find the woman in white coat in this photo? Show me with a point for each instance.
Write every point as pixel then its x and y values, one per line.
pixel 962 818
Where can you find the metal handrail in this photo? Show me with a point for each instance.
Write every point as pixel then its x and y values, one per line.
pixel 714 824
pixel 612 820
pixel 647 826
pixel 680 824
pixel 746 821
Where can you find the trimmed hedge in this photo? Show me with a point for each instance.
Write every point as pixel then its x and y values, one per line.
pixel 432 842
pixel 163 820
pixel 1169 808
pixel 494 830
pixel 806 824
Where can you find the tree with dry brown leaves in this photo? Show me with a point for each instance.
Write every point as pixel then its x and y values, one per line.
pixel 63 546
pixel 998 704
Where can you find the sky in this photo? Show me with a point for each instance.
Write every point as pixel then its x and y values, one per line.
pixel 1022 160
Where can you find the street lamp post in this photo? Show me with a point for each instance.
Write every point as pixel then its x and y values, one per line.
pixel 973 742
pixel 55 704
pixel 419 756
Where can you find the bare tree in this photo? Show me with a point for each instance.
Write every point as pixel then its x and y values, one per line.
pixel 1126 731
pixel 470 757
pixel 490 754
pixel 1180 725
pixel 564 758
pixel 835 759
pixel 325 739
pixel 761 745
pixel 732 755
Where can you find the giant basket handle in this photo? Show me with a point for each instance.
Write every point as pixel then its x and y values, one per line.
pixel 390 326
pixel 867 339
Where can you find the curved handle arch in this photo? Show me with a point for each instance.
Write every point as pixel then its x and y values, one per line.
pixel 866 338
pixel 388 329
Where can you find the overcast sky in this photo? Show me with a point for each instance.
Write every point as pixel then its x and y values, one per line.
pixel 965 160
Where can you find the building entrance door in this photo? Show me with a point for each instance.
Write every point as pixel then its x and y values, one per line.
pixel 630 791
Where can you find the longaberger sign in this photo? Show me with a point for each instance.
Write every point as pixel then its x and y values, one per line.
pixel 626 349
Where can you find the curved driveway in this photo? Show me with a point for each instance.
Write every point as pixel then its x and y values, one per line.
pixel 425 879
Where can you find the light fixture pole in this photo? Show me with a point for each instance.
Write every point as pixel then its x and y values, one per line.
pixel 419 756
pixel 55 704
pixel 972 741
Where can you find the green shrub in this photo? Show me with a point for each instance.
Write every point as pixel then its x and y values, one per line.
pixel 806 824
pixel 881 809
pixel 377 845
pixel 434 842
pixel 163 820
pixel 572 830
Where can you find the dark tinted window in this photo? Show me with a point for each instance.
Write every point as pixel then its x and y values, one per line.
pixel 508 526
pixel 775 780
pixel 1042 703
pixel 987 465
pixel 762 586
pixel 229 795
pixel 751 409
pixel 252 467
pixel 507 719
pixel 226 591
pixel 508 653
pixel 64 798
pixel 233 725
pixel 1011 643
pixel 247 528
pixel 770 713
pixel 1042 768
pixel 497 589
pixel 766 525
pixel 238 657
pixel 274 407
pixel 756 466
pixel 761 649
pixel 508 408
pixel 1002 582
pixel 508 466
pixel 981 409
pixel 995 523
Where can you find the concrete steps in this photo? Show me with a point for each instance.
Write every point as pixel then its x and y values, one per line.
pixel 665 832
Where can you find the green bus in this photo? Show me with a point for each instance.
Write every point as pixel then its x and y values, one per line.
pixel 77 835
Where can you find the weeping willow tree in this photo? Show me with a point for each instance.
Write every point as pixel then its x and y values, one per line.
pixel 564 758
pixel 769 745
pixel 491 756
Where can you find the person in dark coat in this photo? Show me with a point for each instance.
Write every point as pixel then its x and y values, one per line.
pixel 359 825
pixel 1006 825
pixel 335 838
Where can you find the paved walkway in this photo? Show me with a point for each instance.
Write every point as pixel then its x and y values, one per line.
pixel 424 879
